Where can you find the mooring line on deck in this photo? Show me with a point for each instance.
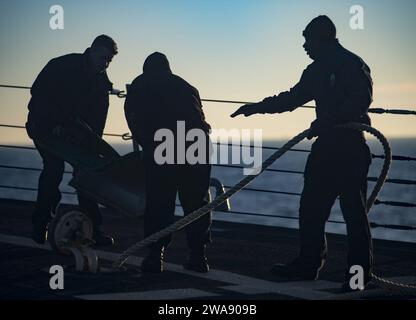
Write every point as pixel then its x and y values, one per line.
pixel 197 214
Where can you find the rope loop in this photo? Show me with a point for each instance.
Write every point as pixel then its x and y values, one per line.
pixel 195 215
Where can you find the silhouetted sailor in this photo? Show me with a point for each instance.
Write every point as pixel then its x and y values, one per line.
pixel 158 99
pixel 340 83
pixel 69 87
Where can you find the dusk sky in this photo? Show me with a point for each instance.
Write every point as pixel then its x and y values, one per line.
pixel 232 50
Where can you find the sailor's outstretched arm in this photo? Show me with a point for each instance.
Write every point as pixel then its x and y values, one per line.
pixel 285 101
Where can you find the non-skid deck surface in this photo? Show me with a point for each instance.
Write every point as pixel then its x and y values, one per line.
pixel 240 257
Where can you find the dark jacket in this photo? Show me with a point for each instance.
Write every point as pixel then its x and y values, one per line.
pixel 64 90
pixel 341 87
pixel 159 100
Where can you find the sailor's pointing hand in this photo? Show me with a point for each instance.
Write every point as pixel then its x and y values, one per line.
pixel 246 110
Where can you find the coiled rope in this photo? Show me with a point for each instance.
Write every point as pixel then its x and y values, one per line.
pixel 195 215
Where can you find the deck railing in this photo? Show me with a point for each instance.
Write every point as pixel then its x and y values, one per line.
pixel 126 136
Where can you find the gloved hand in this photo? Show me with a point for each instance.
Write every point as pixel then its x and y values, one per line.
pixel 247 109
pixel 318 127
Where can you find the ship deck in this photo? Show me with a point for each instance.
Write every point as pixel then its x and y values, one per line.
pixel 240 258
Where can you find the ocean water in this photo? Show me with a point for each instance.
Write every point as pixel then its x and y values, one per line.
pixel 259 202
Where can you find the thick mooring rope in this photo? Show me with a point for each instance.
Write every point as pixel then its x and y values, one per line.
pixel 402 288
pixel 195 215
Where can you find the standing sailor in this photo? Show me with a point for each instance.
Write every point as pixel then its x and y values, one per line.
pixel 160 100
pixel 340 83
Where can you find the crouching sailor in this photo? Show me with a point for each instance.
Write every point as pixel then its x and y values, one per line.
pixel 71 86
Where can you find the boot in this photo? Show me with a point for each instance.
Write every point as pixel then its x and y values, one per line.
pixel 40 232
pixel 298 269
pixel 197 260
pixel 153 262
